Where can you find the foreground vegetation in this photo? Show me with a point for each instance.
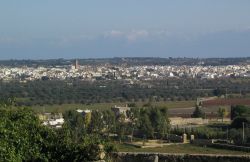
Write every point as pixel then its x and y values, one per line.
pixel 24 138
pixel 79 139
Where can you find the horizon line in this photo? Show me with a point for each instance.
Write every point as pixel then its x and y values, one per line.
pixel 136 57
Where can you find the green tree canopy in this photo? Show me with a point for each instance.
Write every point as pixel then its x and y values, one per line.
pixel 198 113
pixel 239 111
pixel 24 138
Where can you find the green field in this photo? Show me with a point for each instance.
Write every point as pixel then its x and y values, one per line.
pixel 105 106
pixel 180 148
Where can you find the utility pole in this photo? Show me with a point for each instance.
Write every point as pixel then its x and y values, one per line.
pixel 243 132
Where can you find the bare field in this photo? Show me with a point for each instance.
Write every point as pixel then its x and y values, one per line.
pixel 187 111
pixel 224 102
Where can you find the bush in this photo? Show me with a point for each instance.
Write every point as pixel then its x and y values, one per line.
pixel 238 122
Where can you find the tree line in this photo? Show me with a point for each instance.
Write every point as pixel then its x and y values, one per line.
pixel 131 61
pixel 147 123
pixel 84 92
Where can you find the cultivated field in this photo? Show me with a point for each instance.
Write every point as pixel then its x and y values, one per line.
pixel 224 102
pixel 105 106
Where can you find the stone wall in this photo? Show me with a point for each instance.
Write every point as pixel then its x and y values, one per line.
pixel 151 157
pixel 174 121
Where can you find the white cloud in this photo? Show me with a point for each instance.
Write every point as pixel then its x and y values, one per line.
pixel 116 33
pixel 162 33
pixel 134 35
pixel 113 34
pixel 129 36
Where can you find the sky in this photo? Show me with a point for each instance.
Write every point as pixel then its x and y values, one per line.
pixel 48 29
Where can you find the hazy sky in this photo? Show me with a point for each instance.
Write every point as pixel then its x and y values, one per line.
pixel 34 29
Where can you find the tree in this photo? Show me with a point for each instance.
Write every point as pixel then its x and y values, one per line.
pixel 76 123
pixel 133 116
pixel 132 104
pixel 109 121
pixel 237 122
pixel 147 127
pixel 156 119
pixel 24 138
pixel 87 119
pixel 145 124
pixel 219 92
pixel 198 113
pixel 96 125
pixel 222 113
pixel 121 126
pixel 66 149
pixel 22 135
pixel 239 111
pixel 7 102
pixel 165 122
pixel 236 136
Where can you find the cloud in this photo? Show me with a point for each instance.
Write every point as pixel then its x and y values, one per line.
pixel 134 35
pixel 130 36
pixel 7 40
pixel 114 33
pixel 161 33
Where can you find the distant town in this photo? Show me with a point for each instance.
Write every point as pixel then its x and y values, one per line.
pixel 122 71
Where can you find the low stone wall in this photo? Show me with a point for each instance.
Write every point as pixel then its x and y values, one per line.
pixel 212 143
pixel 175 138
pixel 202 142
pixel 157 157
pixel 231 147
pixel 179 121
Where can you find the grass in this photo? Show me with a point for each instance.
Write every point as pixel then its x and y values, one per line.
pixel 105 106
pixel 181 148
pixel 66 107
